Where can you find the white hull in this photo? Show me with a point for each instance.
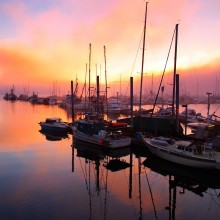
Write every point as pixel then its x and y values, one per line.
pixel 55 125
pixel 184 158
pixel 105 142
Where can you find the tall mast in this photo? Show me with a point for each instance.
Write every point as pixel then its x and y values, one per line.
pixel 85 88
pixel 89 75
pixel 142 67
pixel 106 85
pixel 174 73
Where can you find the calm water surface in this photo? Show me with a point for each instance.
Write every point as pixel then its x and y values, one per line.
pixel 44 177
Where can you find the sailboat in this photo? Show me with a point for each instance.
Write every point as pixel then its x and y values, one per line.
pixel 184 152
pixel 95 130
pixel 150 123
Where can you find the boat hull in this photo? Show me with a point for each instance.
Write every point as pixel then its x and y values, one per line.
pixel 54 128
pixel 182 159
pixel 105 142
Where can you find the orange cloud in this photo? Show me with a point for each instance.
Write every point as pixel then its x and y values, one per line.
pixel 53 44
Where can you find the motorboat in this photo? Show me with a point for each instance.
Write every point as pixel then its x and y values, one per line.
pixel 188 116
pixel 165 112
pixel 101 133
pixel 55 125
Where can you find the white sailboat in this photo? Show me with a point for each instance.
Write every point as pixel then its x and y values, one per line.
pixel 182 152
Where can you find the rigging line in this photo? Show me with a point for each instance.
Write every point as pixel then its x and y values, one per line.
pixel 152 199
pixel 84 86
pixel 137 52
pixel 216 110
pixel 76 88
pixel 163 73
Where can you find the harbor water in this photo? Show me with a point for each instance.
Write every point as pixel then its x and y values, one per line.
pixel 43 176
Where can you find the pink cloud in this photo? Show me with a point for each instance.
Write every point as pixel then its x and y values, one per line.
pixel 58 39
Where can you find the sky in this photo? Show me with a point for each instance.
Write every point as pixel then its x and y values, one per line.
pixel 46 43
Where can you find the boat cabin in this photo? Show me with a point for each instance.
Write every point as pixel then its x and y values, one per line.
pixel 196 148
pixel 52 120
pixel 90 128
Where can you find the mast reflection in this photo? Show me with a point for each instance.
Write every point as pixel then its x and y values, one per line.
pixel 100 161
pixel 186 179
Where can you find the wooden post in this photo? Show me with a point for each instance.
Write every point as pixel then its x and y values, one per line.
pixel 208 117
pixel 72 101
pixel 131 99
pixel 97 84
pixel 186 106
pixel 177 103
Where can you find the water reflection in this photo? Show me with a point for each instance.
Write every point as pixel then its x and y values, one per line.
pixel 197 181
pixel 179 182
pixel 98 162
pixel 207 178
pixel 43 179
pixel 54 136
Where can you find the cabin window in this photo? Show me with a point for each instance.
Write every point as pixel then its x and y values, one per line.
pixel 180 147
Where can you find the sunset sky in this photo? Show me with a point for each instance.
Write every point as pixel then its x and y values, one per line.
pixel 43 42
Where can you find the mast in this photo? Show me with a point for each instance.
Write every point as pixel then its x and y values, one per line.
pixel 174 73
pixel 89 75
pixel 142 66
pixel 106 85
pixel 177 103
pixel 85 88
